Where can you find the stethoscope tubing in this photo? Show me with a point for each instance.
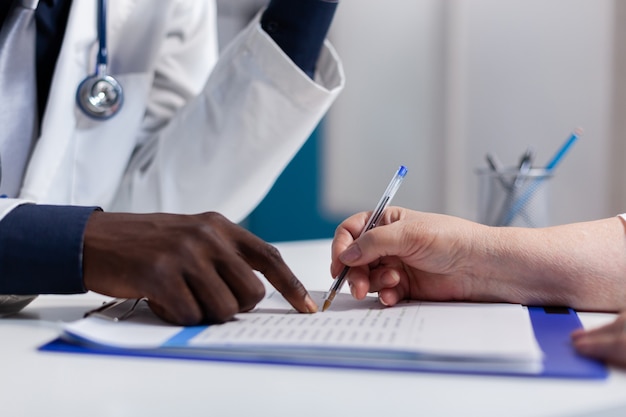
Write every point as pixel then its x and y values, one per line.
pixel 102 58
pixel 100 96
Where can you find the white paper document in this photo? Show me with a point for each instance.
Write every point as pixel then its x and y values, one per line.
pixel 410 335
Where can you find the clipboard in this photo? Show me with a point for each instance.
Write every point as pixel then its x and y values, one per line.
pixel 552 327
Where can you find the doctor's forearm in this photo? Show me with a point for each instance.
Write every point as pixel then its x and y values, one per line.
pixel 41 249
pixel 299 27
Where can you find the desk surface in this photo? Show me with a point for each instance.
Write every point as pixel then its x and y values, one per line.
pixel 37 383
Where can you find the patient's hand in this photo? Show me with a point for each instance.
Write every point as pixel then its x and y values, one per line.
pixel 607 343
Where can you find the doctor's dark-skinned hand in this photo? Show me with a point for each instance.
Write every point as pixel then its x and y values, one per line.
pixel 192 268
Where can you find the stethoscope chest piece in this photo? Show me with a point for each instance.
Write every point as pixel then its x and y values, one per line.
pixel 100 96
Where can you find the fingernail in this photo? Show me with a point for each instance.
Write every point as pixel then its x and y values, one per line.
pixel 352 290
pixel 390 279
pixel 351 254
pixel 311 306
pixel 582 346
pixel 380 299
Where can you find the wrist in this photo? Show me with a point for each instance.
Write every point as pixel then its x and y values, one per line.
pixel 42 249
pixel 527 266
pixel 484 264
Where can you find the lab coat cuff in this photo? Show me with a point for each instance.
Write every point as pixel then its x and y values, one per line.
pixel 263 54
pixel 299 28
pixel 41 249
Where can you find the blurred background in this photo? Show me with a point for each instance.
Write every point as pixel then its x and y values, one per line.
pixel 435 85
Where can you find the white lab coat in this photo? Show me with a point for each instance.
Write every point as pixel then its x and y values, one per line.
pixel 195 133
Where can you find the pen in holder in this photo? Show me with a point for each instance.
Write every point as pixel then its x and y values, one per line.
pixel 509 197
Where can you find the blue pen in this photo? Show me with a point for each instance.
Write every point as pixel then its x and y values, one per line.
pixel 372 222
pixel 563 150
pixel 556 159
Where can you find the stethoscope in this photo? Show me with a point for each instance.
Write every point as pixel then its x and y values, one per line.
pixel 100 96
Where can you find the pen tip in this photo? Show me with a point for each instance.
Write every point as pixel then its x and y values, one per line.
pixel 326 305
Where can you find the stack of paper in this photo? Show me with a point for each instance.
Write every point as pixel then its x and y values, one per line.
pixel 468 337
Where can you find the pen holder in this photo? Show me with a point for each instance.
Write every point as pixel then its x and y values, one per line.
pixel 512 198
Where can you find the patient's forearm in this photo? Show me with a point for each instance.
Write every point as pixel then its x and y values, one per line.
pixel 582 265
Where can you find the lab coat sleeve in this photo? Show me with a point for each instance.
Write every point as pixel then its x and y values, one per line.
pixel 223 150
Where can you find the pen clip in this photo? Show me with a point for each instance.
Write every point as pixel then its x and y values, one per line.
pixel 116 310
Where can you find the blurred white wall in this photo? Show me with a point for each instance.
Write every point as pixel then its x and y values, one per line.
pixel 435 84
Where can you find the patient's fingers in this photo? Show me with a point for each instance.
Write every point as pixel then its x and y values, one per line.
pixel 607 343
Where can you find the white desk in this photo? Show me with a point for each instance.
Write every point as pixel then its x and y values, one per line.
pixel 36 384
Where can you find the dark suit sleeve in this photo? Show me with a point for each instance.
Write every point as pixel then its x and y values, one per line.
pixel 299 27
pixel 41 249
